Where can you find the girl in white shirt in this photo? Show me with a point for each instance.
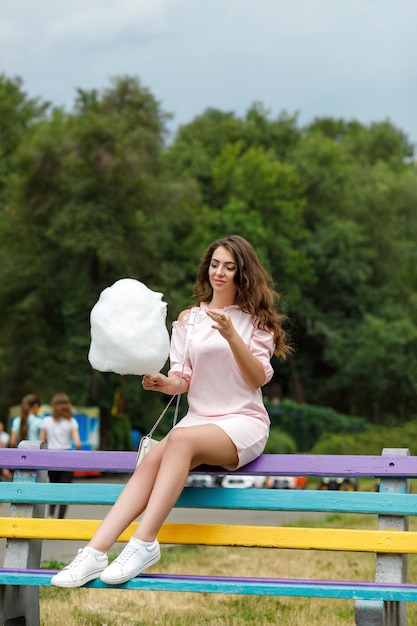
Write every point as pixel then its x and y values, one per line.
pixel 59 430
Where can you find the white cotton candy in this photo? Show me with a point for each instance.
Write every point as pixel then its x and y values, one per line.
pixel 128 330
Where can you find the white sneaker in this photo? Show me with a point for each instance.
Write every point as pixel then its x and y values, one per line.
pixel 131 561
pixel 85 567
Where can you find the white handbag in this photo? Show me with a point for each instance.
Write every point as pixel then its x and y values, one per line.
pixel 145 445
pixel 147 442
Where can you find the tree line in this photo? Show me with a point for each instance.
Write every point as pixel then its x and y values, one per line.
pixel 101 193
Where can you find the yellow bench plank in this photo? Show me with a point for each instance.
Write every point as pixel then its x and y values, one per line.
pixel 351 540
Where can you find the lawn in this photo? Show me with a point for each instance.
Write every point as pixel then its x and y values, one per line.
pixel 102 607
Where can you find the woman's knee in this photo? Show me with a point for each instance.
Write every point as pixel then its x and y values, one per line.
pixel 200 440
pixel 177 437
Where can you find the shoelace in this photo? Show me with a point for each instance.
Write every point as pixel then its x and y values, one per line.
pixel 129 551
pixel 81 556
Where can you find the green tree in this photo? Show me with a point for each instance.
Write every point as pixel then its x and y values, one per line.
pixel 331 210
pixel 359 199
pixel 95 195
pixel 17 113
pixel 85 205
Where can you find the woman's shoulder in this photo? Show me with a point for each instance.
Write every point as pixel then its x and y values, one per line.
pixel 183 315
pixel 16 422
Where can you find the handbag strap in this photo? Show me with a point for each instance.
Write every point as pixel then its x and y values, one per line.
pixel 190 326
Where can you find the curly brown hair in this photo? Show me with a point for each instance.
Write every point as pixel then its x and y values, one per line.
pixel 254 295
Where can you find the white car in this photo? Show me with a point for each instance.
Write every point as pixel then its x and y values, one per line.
pixel 200 480
pixel 241 481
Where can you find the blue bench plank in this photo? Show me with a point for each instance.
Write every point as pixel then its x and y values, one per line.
pixel 223 584
pixel 295 500
pixel 218 498
pixel 265 465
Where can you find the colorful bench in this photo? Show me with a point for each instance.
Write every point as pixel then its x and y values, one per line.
pixel 382 602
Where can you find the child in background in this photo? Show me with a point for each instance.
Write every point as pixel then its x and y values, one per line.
pixel 4 437
pixel 5 474
pixel 28 424
pixel 58 430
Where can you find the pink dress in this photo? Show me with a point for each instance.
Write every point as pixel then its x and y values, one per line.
pixel 218 394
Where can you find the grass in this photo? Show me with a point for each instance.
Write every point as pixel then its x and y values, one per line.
pixel 102 607
pixel 92 607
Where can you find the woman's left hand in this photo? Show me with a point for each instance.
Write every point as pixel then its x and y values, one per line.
pixel 222 322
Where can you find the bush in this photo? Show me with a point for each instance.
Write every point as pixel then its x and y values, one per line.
pixel 280 443
pixel 369 442
pixel 307 423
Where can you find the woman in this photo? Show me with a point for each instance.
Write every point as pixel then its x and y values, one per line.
pixel 236 332
pixel 28 424
pixel 58 430
pixel 4 443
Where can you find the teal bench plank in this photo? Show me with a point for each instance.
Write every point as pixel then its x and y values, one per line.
pixel 212 498
pixel 227 585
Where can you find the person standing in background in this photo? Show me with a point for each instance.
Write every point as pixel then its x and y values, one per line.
pixel 28 424
pixel 6 474
pixel 4 437
pixel 58 430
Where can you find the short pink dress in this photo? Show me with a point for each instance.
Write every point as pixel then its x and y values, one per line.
pixel 218 394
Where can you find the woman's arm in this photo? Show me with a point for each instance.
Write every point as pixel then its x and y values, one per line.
pixel 250 367
pixel 170 385
pixel 75 434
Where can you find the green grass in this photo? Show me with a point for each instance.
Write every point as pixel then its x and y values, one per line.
pixel 105 607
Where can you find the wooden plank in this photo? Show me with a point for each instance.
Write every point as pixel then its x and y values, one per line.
pixel 295 500
pixel 218 498
pixel 227 585
pixel 350 540
pixel 266 464
pixel 83 460
pixel 69 493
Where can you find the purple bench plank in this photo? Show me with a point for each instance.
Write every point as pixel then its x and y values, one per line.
pixel 84 460
pixel 335 465
pixel 266 464
pixel 295 581
pixel 229 584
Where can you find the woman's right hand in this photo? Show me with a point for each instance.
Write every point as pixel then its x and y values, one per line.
pixel 170 385
pixel 155 383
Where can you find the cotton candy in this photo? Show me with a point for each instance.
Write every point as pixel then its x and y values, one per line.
pixel 128 330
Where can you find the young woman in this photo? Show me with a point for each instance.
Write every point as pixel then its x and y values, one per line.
pixel 28 424
pixel 59 430
pixel 5 473
pixel 236 332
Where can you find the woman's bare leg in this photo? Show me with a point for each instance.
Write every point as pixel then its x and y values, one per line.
pixel 185 448
pixel 131 502
pixel 159 480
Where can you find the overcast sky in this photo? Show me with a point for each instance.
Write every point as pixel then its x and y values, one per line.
pixel 339 58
